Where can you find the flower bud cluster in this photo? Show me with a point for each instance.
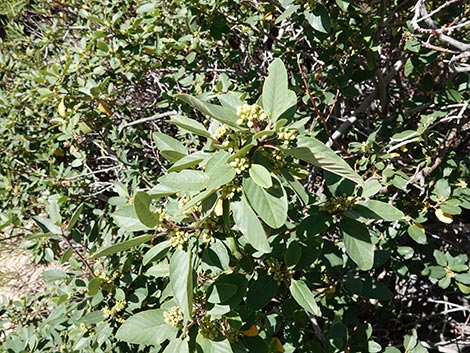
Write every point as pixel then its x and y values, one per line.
pixel 182 203
pixel 275 268
pixel 220 132
pixel 240 164
pixel 120 304
pixel 107 312
pixel 230 190
pixel 338 204
pixel 174 317
pixel 107 281
pixel 160 215
pixel 208 328
pixel 287 136
pixel 178 239
pixel 248 114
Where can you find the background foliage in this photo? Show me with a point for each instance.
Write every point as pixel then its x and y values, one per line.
pixel 87 91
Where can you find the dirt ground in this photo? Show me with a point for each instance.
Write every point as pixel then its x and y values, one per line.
pixel 18 275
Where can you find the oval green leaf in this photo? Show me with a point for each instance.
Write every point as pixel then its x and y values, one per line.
pixel 260 176
pixel 304 297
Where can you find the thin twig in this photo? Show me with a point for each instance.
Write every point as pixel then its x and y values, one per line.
pixel 150 118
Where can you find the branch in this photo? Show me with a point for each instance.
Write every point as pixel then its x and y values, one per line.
pixel 364 105
pixel 150 118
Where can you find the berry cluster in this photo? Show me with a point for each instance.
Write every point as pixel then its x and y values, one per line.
pixel 240 164
pixel 178 239
pixel 277 270
pixel 232 335
pixel 249 114
pixel 338 204
pixel 174 317
pixel 208 328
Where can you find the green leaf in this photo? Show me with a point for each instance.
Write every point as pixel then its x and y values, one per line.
pixel 292 254
pixel 125 245
pixel 216 254
pixel 230 100
pixel 371 187
pixel 409 67
pixel 337 336
pixel 142 209
pixel 210 346
pixel 440 257
pixel 94 286
pixel 261 292
pixel 190 125
pixel 250 226
pixel 319 19
pixel 317 153
pixel 47 225
pixel 157 252
pixel 260 175
pixel 343 4
pixel 185 180
pixel 373 209
pixel 92 318
pixel 54 275
pixel 358 243
pixel 276 97
pixel 296 186
pixel 271 204
pixel 228 289
pixel 127 219
pixel 146 7
pixel 195 200
pixel 222 292
pixel 304 297
pixel 181 280
pixel 147 328
pixel 219 172
pixel 463 278
pixel 169 147
pixel 442 189
pixel 219 113
pixel 412 45
pixel 76 214
pixel 368 287
pixel 159 270
pixel 417 234
pixel 404 135
pixel 290 10
pixel 410 340
pixel 177 346
pixel 189 161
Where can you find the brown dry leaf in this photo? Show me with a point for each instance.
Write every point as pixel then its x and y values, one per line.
pixel 251 332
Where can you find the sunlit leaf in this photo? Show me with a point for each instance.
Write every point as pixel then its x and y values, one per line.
pixel 277 98
pixel 358 243
pixel 181 281
pixel 304 296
